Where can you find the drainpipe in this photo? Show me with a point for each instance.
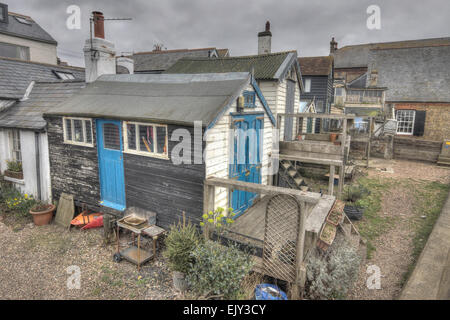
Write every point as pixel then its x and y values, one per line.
pixel 38 165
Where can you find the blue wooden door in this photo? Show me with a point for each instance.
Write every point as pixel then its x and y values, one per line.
pixel 110 162
pixel 246 161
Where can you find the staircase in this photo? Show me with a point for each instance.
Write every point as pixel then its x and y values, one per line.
pixel 290 175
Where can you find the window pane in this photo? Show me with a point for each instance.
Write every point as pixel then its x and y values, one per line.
pixel 161 136
pixel 111 137
pixel 16 149
pixel 146 138
pixel 88 126
pixel 307 85
pixel 68 129
pixel 78 130
pixel 131 134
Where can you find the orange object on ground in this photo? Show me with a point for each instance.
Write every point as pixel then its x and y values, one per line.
pixel 98 222
pixel 84 218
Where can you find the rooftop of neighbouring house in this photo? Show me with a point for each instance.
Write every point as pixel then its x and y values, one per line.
pixel 18 25
pixel 160 60
pixel 167 98
pixel 43 97
pixel 356 56
pixel 316 66
pixel 266 66
pixel 16 75
pixel 413 74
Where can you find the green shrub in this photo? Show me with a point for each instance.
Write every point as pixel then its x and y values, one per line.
pixel 218 270
pixel 18 202
pixel 13 165
pixel 180 242
pixel 331 276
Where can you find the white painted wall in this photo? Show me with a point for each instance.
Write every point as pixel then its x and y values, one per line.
pixel 28 147
pixel 39 51
pixel 219 143
pixel 99 58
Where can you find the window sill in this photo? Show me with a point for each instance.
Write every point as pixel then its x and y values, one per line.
pixel 81 144
pixel 14 180
pixel 149 155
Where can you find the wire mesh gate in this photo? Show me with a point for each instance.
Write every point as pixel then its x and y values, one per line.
pixel 281 237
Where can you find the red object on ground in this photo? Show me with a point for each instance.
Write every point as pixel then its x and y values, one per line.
pixel 85 218
pixel 97 223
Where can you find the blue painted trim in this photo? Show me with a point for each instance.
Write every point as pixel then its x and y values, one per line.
pixel 263 101
pixel 252 95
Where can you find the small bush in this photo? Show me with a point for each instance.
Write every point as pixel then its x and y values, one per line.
pixel 14 166
pixel 331 276
pixel 180 242
pixel 18 202
pixel 218 270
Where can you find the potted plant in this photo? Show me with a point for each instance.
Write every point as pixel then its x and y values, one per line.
pixel 42 213
pixel 14 169
pixel 180 242
pixel 333 137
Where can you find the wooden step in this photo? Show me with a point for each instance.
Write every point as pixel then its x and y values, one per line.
pixel 298 181
pixel 286 164
pixel 304 188
pixel 292 173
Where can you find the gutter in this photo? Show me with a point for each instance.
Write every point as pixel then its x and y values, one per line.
pixel 38 166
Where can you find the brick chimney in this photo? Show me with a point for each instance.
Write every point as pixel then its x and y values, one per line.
pixel 333 46
pixel 265 40
pixel 99 54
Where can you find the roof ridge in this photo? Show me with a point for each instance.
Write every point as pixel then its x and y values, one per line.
pixel 393 42
pixel 42 63
pixel 20 15
pixel 175 50
pixel 239 57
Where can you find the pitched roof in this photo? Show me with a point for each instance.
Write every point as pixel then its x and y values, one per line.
pixel 16 75
pixel 30 30
pixel 222 53
pixel 316 66
pixel 354 56
pixel 266 66
pixel 154 61
pixel 44 96
pixel 166 98
pixel 413 74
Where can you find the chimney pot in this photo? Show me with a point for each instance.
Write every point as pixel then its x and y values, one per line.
pixel 333 46
pixel 268 26
pixel 99 24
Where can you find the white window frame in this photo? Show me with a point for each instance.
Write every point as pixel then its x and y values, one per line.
pixel 138 145
pixel 413 122
pixel 84 144
pixel 307 85
pixel 12 150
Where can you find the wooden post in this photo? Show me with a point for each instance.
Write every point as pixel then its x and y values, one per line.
pixel 295 289
pixel 369 142
pixel 331 181
pixel 341 179
pixel 208 203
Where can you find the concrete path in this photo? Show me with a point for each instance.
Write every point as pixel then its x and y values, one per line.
pixel 430 279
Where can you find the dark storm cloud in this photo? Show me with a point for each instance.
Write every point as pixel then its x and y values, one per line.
pixel 303 25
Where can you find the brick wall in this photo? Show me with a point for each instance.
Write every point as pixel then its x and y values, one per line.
pixel 437 121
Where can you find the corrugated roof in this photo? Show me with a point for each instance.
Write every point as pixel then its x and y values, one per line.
pixel 44 97
pixel 31 30
pixel 266 66
pixel 413 74
pixel 154 61
pixel 166 98
pixel 16 75
pixel 316 66
pixel 357 55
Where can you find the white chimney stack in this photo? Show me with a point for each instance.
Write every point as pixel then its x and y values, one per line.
pixel 265 40
pixel 99 54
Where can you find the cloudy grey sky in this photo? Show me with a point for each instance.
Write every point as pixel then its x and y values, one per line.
pixel 303 25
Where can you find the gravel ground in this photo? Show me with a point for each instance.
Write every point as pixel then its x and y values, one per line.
pixel 394 248
pixel 34 262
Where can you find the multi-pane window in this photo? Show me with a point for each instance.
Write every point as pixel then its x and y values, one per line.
pixel 64 75
pixel 405 121
pixel 146 139
pixel 14 139
pixel 249 99
pixel 14 51
pixel 78 131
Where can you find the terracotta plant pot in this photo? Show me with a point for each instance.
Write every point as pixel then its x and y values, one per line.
pixel 14 174
pixel 41 218
pixel 333 137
